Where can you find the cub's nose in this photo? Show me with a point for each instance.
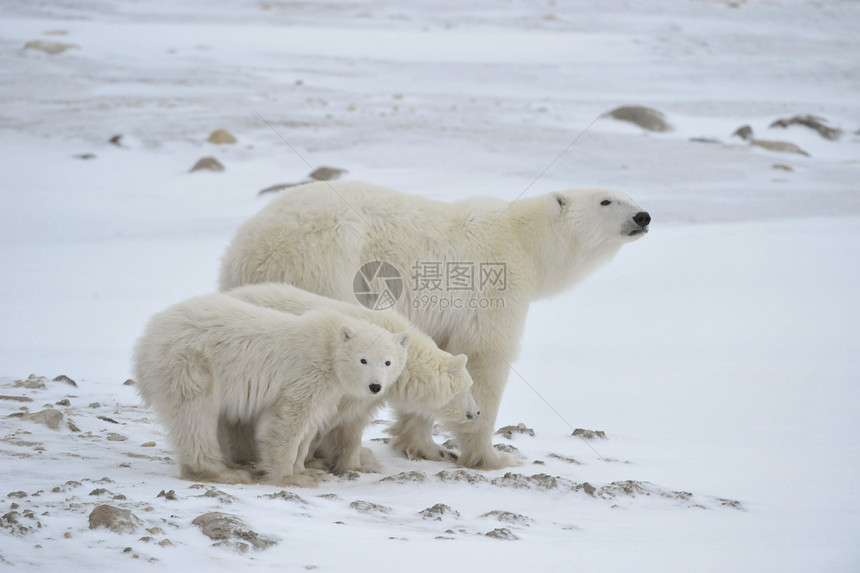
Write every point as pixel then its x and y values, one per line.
pixel 375 388
pixel 642 218
pixel 473 415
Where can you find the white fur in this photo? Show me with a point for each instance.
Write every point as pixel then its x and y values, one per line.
pixel 318 235
pixel 217 357
pixel 434 384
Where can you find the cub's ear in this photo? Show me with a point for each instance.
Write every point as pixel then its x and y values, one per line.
pixel 402 339
pixel 457 363
pixel 346 333
pixel 559 201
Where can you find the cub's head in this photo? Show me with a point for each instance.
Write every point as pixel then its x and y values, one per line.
pixel 599 216
pixel 461 406
pixel 368 358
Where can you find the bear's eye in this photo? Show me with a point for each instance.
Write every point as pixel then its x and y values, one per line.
pixel 606 202
pixel 388 362
pixel 364 360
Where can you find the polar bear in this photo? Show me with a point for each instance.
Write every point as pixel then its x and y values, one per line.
pixel 470 268
pixel 217 357
pixel 434 385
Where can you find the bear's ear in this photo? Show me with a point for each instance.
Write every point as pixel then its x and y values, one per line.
pixel 457 363
pixel 346 333
pixel 559 201
pixel 402 338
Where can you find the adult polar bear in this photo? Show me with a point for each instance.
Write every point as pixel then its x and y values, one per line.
pixel 317 236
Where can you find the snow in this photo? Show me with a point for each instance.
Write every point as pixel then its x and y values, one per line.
pixel 719 353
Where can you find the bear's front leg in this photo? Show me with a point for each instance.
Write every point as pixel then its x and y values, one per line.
pixel 413 435
pixel 279 438
pixel 490 375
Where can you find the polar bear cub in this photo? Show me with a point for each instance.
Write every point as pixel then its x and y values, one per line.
pixel 434 385
pixel 217 357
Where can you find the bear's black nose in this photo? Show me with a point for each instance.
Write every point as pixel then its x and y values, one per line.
pixel 375 388
pixel 642 218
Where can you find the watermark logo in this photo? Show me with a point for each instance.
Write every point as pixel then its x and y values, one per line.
pixel 441 285
pixel 377 285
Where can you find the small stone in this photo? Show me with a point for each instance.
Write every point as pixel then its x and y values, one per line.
pixel 113 437
pixel 502 533
pixel 326 173
pixel 17 494
pixel 509 431
pixel 781 167
pixel 368 507
pixel 52 48
pixel 147 445
pixel 508 517
pixel 778 146
pixel 170 495
pixel 106 419
pixel 33 382
pixel 221 137
pixel 589 434
pixel 165 543
pixel 437 511
pixel 280 187
pixel 95 405
pixel 812 122
pixel 115 519
pixel 16 398
pixel 116 140
pixel 222 527
pixel 49 417
pixel 207 164
pixel 404 477
pixel 588 488
pixel 128 382
pixel 645 117
pixel 65 380
pixel 745 132
pixel 63 402
pixel 72 426
pixel 85 156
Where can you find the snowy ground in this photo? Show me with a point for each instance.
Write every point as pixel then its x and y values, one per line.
pixel 718 354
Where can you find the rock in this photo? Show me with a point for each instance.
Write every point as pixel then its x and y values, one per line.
pixel 170 495
pixel 17 494
pixel 13 522
pixel 280 187
pixel 128 382
pixel 16 398
pixel 326 173
pixel 114 437
pixel 781 167
pixel 208 164
pixel 116 140
pixel 221 137
pixel 85 156
pixel 147 445
pixel 95 405
pixel 32 382
pixel 745 132
pixel 65 380
pixel 437 511
pixel 502 533
pixel 589 434
pixel 49 417
pixel 812 122
pixel 72 426
pixel 52 48
pixel 63 402
pixel 565 459
pixel 645 117
pixel 509 431
pixel 368 507
pixel 106 419
pixel 780 146
pixel 405 477
pixel 223 527
pixel 508 517
pixel 286 496
pixel 461 475
pixel 113 518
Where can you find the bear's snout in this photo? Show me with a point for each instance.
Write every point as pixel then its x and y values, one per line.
pixel 473 415
pixel 642 218
pixel 375 388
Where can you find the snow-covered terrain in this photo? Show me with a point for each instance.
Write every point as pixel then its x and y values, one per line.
pixel 719 354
